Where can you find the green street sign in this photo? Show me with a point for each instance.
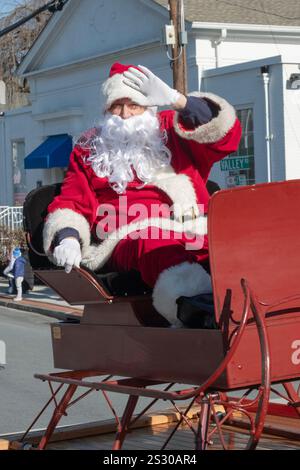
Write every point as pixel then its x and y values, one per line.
pixel 235 163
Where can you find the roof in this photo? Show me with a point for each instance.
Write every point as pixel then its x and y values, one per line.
pixel 283 14
pixel 265 12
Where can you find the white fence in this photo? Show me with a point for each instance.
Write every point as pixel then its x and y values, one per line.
pixel 11 217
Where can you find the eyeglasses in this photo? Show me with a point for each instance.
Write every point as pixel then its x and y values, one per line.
pixel 117 108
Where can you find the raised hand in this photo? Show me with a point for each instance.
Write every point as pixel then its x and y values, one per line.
pixel 157 92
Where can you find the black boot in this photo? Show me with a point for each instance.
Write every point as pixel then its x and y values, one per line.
pixel 197 311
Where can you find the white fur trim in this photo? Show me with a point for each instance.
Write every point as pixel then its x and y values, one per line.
pixel 62 218
pixel 215 129
pixel 181 191
pixel 186 279
pixel 95 256
pixel 114 89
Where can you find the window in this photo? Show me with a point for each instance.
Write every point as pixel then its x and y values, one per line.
pixel 240 166
pixel 19 176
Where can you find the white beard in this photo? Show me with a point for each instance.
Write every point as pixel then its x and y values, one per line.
pixel 126 144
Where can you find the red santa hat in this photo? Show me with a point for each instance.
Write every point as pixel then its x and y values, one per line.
pixel 114 88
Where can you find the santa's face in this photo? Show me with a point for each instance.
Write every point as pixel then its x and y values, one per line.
pixel 126 108
pixel 124 144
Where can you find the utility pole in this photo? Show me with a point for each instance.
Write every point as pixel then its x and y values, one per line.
pixel 176 9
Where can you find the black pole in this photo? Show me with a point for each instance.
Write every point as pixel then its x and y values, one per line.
pixel 54 5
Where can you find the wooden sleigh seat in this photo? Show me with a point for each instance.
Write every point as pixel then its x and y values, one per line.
pixel 116 306
pixel 83 286
pixel 255 266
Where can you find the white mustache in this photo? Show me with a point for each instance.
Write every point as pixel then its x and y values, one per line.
pixel 126 144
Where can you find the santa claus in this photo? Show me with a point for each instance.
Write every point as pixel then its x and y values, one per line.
pixel 135 197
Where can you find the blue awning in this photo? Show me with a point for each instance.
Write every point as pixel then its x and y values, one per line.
pixel 54 152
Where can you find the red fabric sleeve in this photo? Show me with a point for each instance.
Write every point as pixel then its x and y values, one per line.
pixel 206 154
pixel 76 193
pixel 202 154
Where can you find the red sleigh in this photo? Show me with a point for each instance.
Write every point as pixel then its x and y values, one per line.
pixel 255 266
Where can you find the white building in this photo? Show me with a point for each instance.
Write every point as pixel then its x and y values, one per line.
pixel 242 54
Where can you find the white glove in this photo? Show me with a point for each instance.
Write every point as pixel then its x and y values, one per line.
pixel 67 254
pixel 157 92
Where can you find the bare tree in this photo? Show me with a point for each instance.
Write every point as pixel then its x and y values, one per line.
pixel 15 45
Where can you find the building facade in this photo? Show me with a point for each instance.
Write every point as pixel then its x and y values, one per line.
pixel 253 66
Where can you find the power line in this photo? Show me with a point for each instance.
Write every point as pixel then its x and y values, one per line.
pixel 52 6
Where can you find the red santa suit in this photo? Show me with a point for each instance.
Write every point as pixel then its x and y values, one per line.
pixel 122 237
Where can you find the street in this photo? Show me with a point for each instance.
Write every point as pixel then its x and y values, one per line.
pixel 29 351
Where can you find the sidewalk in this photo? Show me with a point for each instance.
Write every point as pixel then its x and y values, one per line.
pixel 42 300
